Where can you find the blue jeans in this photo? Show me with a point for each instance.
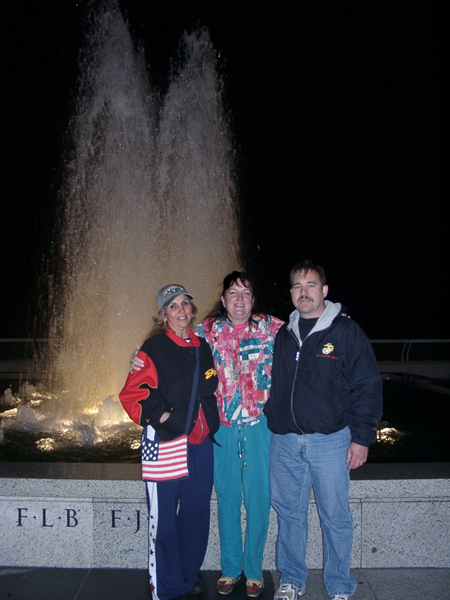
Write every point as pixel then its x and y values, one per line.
pixel 297 463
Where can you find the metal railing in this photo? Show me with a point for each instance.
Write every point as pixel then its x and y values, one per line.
pixel 22 357
pixel 412 350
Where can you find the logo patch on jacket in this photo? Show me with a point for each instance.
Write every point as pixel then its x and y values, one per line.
pixel 210 373
pixel 327 349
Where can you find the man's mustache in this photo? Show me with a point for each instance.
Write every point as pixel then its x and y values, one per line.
pixel 305 298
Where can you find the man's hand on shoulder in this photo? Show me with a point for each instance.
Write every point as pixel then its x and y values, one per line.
pixel 356 455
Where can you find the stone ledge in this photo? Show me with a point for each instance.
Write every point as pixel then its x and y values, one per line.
pixel 90 515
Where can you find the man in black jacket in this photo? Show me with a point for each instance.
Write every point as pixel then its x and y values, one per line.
pixel 324 406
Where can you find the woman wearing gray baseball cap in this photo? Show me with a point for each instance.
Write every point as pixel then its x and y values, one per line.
pixel 172 397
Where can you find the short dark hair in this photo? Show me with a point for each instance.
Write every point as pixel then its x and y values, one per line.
pixel 236 276
pixel 219 310
pixel 308 265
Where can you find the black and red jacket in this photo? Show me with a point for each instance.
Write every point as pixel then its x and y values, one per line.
pixel 164 384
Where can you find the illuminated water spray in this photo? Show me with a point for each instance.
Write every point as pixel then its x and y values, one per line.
pixel 149 199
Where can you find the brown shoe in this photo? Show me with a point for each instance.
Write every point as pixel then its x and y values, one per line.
pixel 225 585
pixel 254 587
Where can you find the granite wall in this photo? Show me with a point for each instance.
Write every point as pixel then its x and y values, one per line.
pixel 81 515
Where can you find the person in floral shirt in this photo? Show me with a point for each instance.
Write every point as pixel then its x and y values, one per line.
pixel 241 340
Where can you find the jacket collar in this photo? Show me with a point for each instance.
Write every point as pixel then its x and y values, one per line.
pixel 332 310
pixel 255 318
pixel 179 341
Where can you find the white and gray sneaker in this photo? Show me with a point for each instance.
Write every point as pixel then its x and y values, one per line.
pixel 287 591
pixel 340 597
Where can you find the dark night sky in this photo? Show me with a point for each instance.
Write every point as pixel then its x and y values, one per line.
pixel 337 116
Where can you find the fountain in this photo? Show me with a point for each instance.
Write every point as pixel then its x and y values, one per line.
pixel 148 198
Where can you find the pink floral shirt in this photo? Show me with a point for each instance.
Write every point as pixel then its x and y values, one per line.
pixel 244 365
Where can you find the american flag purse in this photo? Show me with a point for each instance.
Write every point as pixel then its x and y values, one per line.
pixel 164 461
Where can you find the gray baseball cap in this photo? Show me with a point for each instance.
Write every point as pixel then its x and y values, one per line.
pixel 169 293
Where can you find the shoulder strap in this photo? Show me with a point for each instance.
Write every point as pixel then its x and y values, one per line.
pixel 194 388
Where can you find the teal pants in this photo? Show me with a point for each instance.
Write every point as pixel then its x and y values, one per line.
pixel 241 466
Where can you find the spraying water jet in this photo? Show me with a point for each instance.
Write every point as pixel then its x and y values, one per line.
pixel 148 197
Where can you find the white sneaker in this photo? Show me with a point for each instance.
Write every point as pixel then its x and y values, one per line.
pixel 340 597
pixel 287 591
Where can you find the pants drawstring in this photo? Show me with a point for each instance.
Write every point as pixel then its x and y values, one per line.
pixel 244 465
